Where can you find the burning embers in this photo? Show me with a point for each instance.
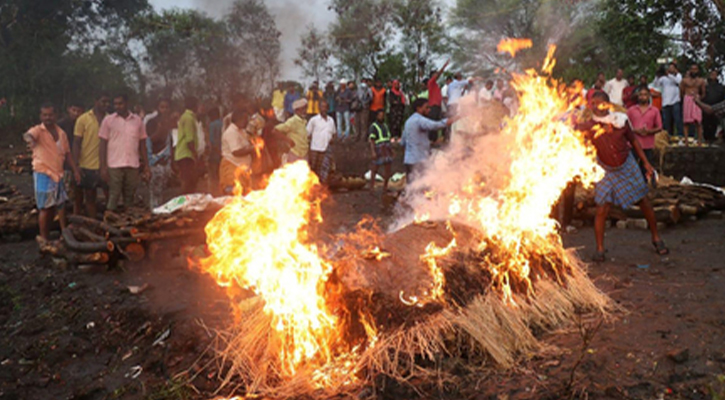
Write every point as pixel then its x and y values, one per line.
pixel 482 262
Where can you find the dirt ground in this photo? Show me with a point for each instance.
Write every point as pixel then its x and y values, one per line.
pixel 69 333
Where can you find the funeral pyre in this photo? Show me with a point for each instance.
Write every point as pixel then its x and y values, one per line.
pixel 473 267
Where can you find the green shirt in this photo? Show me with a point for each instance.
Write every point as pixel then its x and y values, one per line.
pixel 296 129
pixel 187 134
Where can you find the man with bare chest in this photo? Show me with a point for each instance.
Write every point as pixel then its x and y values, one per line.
pixel 691 87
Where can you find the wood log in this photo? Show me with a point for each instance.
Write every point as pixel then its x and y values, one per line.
pixel 133 251
pixel 169 234
pixel 84 247
pixel 688 209
pixel 87 234
pixel 87 258
pixel 667 214
pixel 97 225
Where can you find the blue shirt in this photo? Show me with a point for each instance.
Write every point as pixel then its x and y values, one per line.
pixel 415 137
pixel 290 98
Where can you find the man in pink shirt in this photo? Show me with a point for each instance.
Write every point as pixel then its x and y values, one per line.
pixel 646 122
pixel 123 144
pixel 50 150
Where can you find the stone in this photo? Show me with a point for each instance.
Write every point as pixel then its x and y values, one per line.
pixel 679 356
pixel 621 224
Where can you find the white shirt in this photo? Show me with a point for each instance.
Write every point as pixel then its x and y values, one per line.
pixel 485 95
pixel 455 91
pixel 669 85
pixel 321 131
pixel 234 139
pixel 614 89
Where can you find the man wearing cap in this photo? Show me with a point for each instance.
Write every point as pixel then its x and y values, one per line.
pixel 295 128
pixel 342 108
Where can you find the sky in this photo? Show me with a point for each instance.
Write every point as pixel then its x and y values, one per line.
pixel 292 17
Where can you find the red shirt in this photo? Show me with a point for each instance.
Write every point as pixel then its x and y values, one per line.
pixel 612 147
pixel 627 96
pixel 378 102
pixel 648 119
pixel 435 98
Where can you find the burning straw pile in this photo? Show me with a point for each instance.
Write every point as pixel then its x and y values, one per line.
pixel 472 269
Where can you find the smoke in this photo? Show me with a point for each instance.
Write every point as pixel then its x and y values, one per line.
pixel 292 18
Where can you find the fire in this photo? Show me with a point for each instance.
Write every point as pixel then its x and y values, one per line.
pixel 513 45
pixel 259 242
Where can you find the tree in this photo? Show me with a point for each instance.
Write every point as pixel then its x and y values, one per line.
pixel 313 56
pixel 361 34
pixel 420 23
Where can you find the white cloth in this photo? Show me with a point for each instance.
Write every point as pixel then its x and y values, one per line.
pixel 485 95
pixel 614 89
pixel 669 86
pixel 616 119
pixel 455 90
pixel 234 139
pixel 321 131
pixel 149 117
pixel 201 139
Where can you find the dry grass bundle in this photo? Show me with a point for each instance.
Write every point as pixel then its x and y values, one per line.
pixel 379 334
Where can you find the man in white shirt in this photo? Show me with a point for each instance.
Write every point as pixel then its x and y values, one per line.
pixel 455 92
pixel 237 152
pixel 669 85
pixel 486 93
pixel 321 129
pixel 614 88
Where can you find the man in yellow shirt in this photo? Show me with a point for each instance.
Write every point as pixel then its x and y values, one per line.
pixel 278 101
pixel 185 150
pixel 314 95
pixel 86 147
pixel 295 128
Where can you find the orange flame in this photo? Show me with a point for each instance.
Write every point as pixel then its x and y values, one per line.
pixel 259 243
pixel 513 45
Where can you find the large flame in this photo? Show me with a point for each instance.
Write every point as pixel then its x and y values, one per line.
pixel 513 45
pixel 259 242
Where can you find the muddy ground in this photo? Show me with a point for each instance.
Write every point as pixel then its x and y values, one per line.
pixel 69 333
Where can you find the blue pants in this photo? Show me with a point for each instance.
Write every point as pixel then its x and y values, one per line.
pixel 343 117
pixel 670 114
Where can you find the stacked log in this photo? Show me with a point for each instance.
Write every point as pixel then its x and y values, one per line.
pixel 672 203
pixel 17 212
pixel 20 163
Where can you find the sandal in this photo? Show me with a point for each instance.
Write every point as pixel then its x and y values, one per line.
pixel 660 248
pixel 599 256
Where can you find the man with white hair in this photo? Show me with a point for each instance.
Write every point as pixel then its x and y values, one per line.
pixel 295 128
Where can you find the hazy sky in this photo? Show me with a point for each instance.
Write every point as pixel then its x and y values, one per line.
pixel 292 16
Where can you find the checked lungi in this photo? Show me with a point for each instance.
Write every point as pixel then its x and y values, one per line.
pixel 320 163
pixel 621 186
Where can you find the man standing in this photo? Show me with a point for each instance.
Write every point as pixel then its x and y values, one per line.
pixel 362 117
pixel 435 97
pixel 416 136
pixel 381 150
pixel 278 101
pixel 295 128
pixel 342 106
pixel 185 154
pixel 622 184
pixel 50 150
pixel 396 115
pixel 237 155
pixel 314 96
pixel 598 86
pixel 289 98
pixel 629 97
pixel 714 93
pixel 646 122
pixel 123 143
pixel 692 86
pixel 159 147
pixel 486 93
pixel 669 86
pixel 615 86
pixel 86 148
pixel 321 130
pixel 455 92
pixel 68 124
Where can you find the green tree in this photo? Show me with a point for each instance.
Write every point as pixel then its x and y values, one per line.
pixel 313 55
pixel 361 35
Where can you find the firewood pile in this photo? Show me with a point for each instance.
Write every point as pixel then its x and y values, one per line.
pixel 17 211
pixel 672 203
pixel 124 236
pixel 19 163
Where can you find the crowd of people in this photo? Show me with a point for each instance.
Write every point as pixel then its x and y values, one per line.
pixel 112 148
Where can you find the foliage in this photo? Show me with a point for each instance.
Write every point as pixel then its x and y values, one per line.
pixel 314 55
pixel 361 35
